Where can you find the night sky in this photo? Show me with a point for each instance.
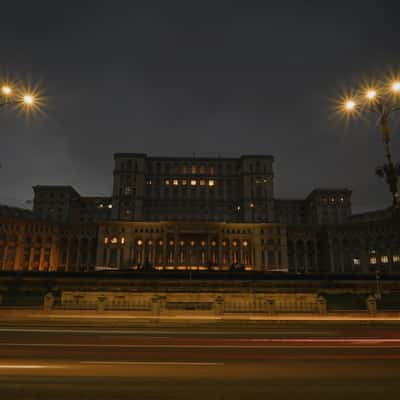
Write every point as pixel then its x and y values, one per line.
pixel 210 78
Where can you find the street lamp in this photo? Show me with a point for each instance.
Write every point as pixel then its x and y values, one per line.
pixel 383 100
pixel 15 96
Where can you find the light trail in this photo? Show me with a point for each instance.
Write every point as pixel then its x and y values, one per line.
pixel 157 363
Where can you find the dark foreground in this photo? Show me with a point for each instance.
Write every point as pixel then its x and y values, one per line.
pixel 203 360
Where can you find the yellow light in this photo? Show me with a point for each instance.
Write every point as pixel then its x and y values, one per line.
pixel 6 90
pixel 28 99
pixel 396 86
pixel 350 105
pixel 371 94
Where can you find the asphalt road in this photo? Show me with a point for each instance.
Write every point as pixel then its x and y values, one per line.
pixel 198 361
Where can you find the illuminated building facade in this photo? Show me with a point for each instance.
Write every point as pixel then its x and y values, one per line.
pixel 195 214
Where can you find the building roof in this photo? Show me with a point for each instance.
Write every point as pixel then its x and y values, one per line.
pixel 191 158
pixel 15 212
pixel 56 188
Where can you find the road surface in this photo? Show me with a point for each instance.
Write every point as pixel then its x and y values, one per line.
pixel 214 360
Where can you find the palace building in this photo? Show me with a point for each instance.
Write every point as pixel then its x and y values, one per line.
pixel 212 214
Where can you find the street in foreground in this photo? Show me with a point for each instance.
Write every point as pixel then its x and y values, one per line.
pixel 213 360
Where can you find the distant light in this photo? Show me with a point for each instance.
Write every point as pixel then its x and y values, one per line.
pixel 28 99
pixel 350 105
pixel 6 90
pixel 396 86
pixel 109 206
pixel 371 94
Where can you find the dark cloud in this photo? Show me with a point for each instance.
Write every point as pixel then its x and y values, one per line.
pixel 209 78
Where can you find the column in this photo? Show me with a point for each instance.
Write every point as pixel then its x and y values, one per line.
pixel 315 257
pixel 331 258
pixel 165 249
pixel 219 244
pixel 176 249
pixel 295 255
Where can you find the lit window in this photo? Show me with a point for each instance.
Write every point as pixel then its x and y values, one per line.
pixel 114 240
pixel 252 205
pixel 184 182
pixel 160 242
pixel 171 242
pixel 105 240
pixel 234 243
pixel 109 206
pixel 213 243
pixel 192 243
pixel 245 243
pixel 396 258
pixel 193 182
pixel 148 182
pixel 356 261
pixel 139 242
pixel 332 199
pixel 122 240
pixel 342 199
pixel 203 243
pixel 182 243
pixel 202 182
pixel 372 260
pixel 384 259
pixel 211 182
pixel 150 242
pixel 238 208
pixel 224 243
pixel 194 169
pixel 101 205
pixel 175 182
pixel 167 182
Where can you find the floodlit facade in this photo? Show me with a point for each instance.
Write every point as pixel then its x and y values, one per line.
pixel 206 214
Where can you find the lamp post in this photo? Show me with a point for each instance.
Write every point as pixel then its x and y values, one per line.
pixel 383 101
pixel 15 96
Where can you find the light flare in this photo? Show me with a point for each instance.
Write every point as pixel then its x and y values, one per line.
pixel 371 94
pixel 395 87
pixel 350 105
pixel 6 90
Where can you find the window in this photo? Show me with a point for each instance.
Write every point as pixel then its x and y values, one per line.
pixel 194 169
pixel 184 182
pixel 384 259
pixel 193 182
pixel 202 182
pixel 109 206
pixel 356 261
pixel 372 260
pixel 167 182
pixel 175 182
pixel 396 258
pixel 211 183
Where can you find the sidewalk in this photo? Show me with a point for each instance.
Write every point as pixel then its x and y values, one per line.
pixel 32 315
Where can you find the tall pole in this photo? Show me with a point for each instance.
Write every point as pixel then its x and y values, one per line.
pixel 389 171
